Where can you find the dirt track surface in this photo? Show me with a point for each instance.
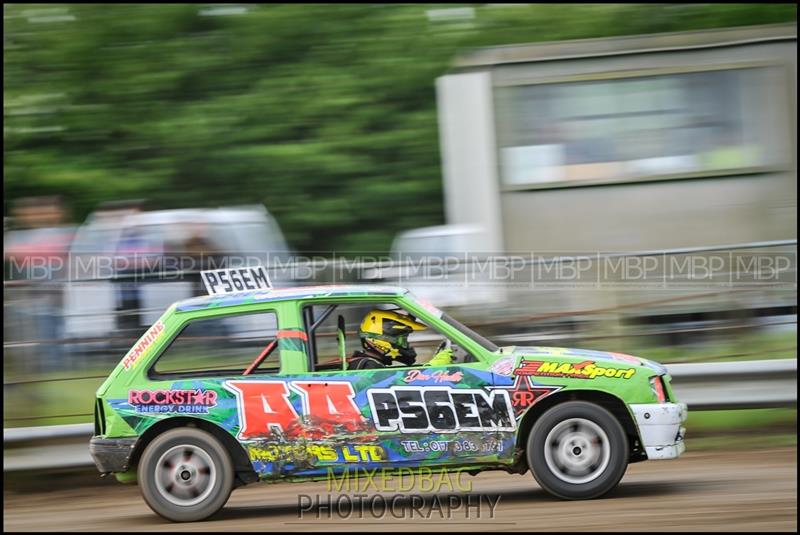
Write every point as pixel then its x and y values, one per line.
pixel 741 491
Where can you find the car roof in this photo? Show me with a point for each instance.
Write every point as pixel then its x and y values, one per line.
pixel 222 215
pixel 236 214
pixel 285 294
pixel 440 230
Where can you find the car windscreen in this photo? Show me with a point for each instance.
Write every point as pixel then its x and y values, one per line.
pixel 484 342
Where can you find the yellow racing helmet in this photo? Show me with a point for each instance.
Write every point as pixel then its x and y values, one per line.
pixel 386 332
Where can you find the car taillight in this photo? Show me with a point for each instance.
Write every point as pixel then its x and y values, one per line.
pixel 99 418
pixel 657 384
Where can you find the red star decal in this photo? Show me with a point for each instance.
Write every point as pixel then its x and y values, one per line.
pixel 524 393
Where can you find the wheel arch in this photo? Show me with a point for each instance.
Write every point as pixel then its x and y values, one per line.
pixel 608 401
pixel 241 462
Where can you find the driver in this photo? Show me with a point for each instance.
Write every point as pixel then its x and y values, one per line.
pixel 384 337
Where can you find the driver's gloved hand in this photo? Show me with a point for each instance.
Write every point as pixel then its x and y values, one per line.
pixel 442 358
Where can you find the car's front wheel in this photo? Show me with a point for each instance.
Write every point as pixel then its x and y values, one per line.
pixel 577 451
pixel 185 475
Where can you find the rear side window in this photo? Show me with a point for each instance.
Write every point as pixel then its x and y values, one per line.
pixel 227 345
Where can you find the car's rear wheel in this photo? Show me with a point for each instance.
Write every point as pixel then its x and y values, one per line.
pixel 577 451
pixel 185 475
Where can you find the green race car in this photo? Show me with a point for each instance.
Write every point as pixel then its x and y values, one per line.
pixel 258 384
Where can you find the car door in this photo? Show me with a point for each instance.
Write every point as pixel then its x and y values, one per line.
pixel 395 416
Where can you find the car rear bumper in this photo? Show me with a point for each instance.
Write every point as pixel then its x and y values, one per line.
pixel 660 428
pixel 111 454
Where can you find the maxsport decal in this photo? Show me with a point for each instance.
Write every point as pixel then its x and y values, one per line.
pixel 582 370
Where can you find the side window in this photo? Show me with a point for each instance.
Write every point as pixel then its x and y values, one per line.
pixel 324 345
pixel 230 345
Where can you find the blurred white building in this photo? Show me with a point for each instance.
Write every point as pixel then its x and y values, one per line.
pixel 635 143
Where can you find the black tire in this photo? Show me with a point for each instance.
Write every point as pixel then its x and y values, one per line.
pixel 176 455
pixel 587 453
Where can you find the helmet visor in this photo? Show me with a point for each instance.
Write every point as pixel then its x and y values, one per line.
pixel 402 341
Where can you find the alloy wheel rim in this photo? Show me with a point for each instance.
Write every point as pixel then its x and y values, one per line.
pixel 577 451
pixel 185 475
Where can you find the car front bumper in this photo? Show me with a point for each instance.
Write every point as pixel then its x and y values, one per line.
pixel 111 454
pixel 660 428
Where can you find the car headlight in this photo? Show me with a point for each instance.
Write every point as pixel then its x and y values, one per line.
pixel 657 385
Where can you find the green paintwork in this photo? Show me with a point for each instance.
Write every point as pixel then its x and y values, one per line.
pixel 123 421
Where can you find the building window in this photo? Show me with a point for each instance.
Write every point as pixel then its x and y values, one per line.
pixel 628 128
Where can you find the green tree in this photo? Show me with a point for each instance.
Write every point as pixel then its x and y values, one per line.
pixel 326 114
